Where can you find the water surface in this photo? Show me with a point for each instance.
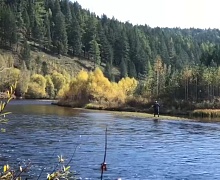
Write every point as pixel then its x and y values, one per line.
pixel 138 148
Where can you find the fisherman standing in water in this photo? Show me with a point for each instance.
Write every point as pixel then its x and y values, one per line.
pixel 156 107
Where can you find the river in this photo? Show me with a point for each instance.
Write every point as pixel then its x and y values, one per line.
pixel 137 148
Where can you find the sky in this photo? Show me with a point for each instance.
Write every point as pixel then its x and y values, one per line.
pixel 162 13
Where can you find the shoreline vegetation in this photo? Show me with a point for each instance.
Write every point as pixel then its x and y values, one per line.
pixel 94 91
pixel 197 114
pixel 126 112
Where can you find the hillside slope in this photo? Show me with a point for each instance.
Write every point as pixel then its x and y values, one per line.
pixel 72 65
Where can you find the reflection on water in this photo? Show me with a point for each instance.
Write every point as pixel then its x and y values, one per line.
pixel 137 148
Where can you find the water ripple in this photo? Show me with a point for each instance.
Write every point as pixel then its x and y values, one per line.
pixel 137 148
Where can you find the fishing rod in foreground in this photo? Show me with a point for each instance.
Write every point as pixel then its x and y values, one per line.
pixel 104 165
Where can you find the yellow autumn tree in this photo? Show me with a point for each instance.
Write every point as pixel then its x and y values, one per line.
pixel 13 75
pixel 59 81
pixel 98 86
pixel 128 85
pixel 36 87
pixel 95 87
pixel 78 87
pixel 116 95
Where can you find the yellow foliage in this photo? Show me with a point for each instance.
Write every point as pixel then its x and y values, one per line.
pixel 128 85
pixel 35 91
pixel 62 91
pixel 58 80
pixel 96 87
pixel 49 86
pixel 9 76
pixel 98 72
pixel 116 94
pixel 39 79
pixel 82 76
pixel 66 76
pixel 14 74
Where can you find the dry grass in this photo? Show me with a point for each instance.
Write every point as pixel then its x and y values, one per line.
pixel 211 113
pixel 146 115
pixel 71 64
pixel 129 112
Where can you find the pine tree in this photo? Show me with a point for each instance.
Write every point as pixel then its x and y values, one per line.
pixel 31 10
pixel 95 52
pixel 131 70
pixel 121 49
pixel 26 21
pixel 44 68
pixel 65 8
pixel 39 14
pixel 8 26
pixel 60 34
pixel 47 39
pixel 123 69
pixel 108 71
pixel 105 47
pixel 90 32
pixel 26 54
pixel 74 36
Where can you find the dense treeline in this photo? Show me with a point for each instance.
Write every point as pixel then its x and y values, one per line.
pixel 182 63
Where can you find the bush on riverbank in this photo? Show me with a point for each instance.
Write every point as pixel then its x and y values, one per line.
pixel 95 88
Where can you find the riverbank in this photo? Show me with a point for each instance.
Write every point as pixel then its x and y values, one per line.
pixel 169 114
pixel 127 112
pixel 139 114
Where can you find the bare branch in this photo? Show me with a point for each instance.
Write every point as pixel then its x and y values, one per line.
pixel 3 68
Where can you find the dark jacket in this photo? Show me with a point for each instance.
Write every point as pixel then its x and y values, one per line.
pixel 156 107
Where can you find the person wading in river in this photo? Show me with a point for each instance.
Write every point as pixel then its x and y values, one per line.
pixel 156 107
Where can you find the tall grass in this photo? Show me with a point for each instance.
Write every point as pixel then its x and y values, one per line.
pixel 206 113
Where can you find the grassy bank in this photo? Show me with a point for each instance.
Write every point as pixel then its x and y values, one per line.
pixel 122 111
pixel 146 115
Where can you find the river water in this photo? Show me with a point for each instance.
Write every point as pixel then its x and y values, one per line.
pixel 137 148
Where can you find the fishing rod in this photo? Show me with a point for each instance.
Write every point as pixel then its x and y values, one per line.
pixel 21 171
pixel 104 165
pixel 72 155
pixel 60 162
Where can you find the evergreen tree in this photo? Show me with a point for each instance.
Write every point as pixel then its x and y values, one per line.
pixel 26 54
pixel 65 8
pixel 47 40
pixel 121 49
pixel 8 27
pixel 44 68
pixel 56 8
pixel 38 26
pixel 74 36
pixel 105 47
pixel 31 11
pixel 26 21
pixel 132 70
pixel 123 69
pixel 60 34
pixel 108 71
pixel 90 32
pixel 95 52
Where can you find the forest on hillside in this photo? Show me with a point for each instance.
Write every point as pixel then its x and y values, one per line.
pixel 167 62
